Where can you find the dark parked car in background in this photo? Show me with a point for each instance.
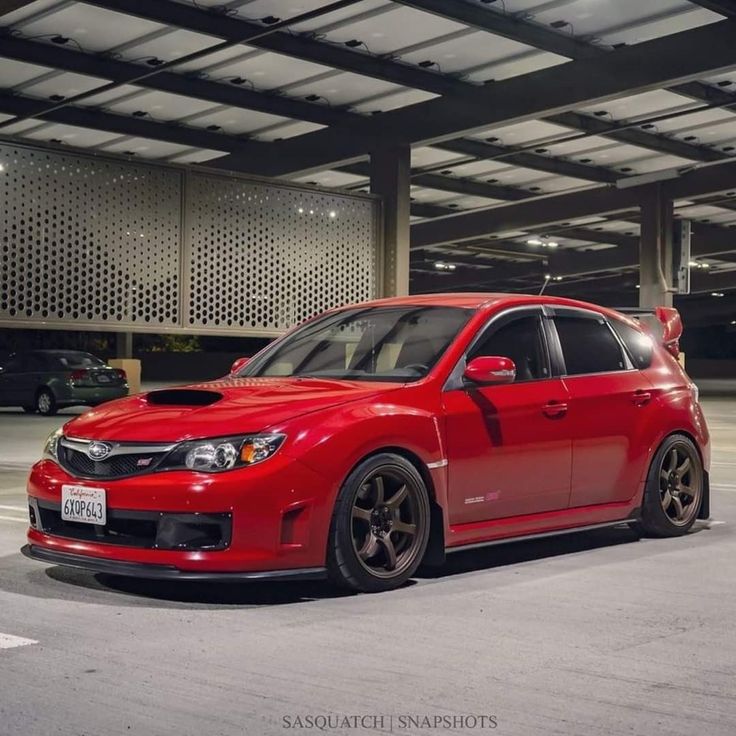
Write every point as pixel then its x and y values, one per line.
pixel 45 381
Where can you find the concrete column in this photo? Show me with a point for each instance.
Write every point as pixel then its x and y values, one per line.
pixel 390 178
pixel 655 250
pixel 124 345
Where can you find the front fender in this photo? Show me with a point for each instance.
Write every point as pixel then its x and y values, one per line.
pixel 334 441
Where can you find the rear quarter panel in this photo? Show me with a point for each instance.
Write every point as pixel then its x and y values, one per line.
pixel 677 409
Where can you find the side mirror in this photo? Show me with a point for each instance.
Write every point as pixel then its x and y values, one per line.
pixel 490 370
pixel 237 365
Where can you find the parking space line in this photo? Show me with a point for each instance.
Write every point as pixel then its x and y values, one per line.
pixel 8 641
pixel 13 518
pixel 13 508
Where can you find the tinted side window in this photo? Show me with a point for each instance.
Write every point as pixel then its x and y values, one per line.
pixel 588 346
pixel 638 344
pixel 521 340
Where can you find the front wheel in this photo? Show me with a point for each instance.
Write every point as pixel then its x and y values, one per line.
pixel 674 488
pixel 380 525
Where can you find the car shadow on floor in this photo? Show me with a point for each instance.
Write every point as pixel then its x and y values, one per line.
pixel 529 550
pixel 86 587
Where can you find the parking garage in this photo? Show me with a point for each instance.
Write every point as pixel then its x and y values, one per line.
pixel 182 182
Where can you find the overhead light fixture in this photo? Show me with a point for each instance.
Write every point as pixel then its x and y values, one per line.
pixel 2 167
pixel 443 266
pixel 544 241
pixel 733 321
pixel 717 293
pixel 333 214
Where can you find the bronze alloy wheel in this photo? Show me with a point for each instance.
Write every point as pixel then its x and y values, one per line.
pixel 387 518
pixel 680 483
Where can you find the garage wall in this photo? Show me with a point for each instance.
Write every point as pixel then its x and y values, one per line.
pixel 107 244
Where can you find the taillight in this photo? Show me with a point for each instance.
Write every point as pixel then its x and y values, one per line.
pixel 80 375
pixel 122 375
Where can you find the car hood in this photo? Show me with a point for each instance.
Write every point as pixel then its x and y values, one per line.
pixel 217 408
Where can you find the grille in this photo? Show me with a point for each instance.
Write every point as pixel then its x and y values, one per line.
pixel 118 466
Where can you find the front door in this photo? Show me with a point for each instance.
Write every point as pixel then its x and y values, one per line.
pixel 508 446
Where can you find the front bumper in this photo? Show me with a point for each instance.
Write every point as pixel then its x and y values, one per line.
pixel 280 513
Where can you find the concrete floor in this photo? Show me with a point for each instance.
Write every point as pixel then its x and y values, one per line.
pixel 595 633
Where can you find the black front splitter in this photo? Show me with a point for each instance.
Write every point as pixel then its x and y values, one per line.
pixel 164 572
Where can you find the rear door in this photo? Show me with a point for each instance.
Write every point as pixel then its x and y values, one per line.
pixel 610 409
pixel 508 446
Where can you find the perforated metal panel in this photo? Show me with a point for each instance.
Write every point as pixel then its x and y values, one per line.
pixel 265 257
pixel 84 240
pixel 101 243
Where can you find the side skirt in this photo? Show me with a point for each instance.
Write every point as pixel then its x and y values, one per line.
pixel 540 535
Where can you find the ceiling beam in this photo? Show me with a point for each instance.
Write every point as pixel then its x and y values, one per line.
pixel 509 26
pixel 10 6
pixel 478 149
pixel 126 125
pixel 635 136
pixel 724 7
pixel 652 64
pixel 71 60
pixel 296 45
pixel 453 184
pixel 564 207
pixel 561 43
pixel 304 46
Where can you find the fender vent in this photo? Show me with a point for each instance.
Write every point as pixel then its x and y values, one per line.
pixel 182 397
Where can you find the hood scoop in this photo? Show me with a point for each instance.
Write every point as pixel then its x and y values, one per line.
pixel 182 397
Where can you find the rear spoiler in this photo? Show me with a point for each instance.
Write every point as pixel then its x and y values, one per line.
pixel 667 325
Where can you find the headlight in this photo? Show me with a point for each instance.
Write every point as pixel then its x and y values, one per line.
pixel 222 453
pixel 51 444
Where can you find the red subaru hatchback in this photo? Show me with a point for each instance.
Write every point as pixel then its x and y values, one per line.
pixel 378 436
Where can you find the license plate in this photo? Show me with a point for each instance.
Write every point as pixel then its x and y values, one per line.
pixel 84 504
pixel 103 378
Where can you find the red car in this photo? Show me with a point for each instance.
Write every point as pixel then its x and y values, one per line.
pixel 378 436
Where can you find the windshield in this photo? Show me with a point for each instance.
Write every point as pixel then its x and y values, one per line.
pixel 368 344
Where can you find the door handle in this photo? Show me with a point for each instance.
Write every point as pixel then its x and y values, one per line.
pixel 555 409
pixel 640 398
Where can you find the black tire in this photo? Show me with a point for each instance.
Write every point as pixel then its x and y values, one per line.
pixel 29 409
pixel 383 505
pixel 46 403
pixel 674 489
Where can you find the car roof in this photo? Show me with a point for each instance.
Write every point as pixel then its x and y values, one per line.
pixel 485 300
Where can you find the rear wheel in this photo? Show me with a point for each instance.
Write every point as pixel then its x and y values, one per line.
pixel 380 525
pixel 46 403
pixel 674 488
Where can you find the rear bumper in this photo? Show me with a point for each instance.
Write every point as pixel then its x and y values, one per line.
pixel 163 572
pixel 90 395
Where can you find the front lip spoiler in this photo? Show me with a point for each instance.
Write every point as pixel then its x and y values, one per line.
pixel 164 572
